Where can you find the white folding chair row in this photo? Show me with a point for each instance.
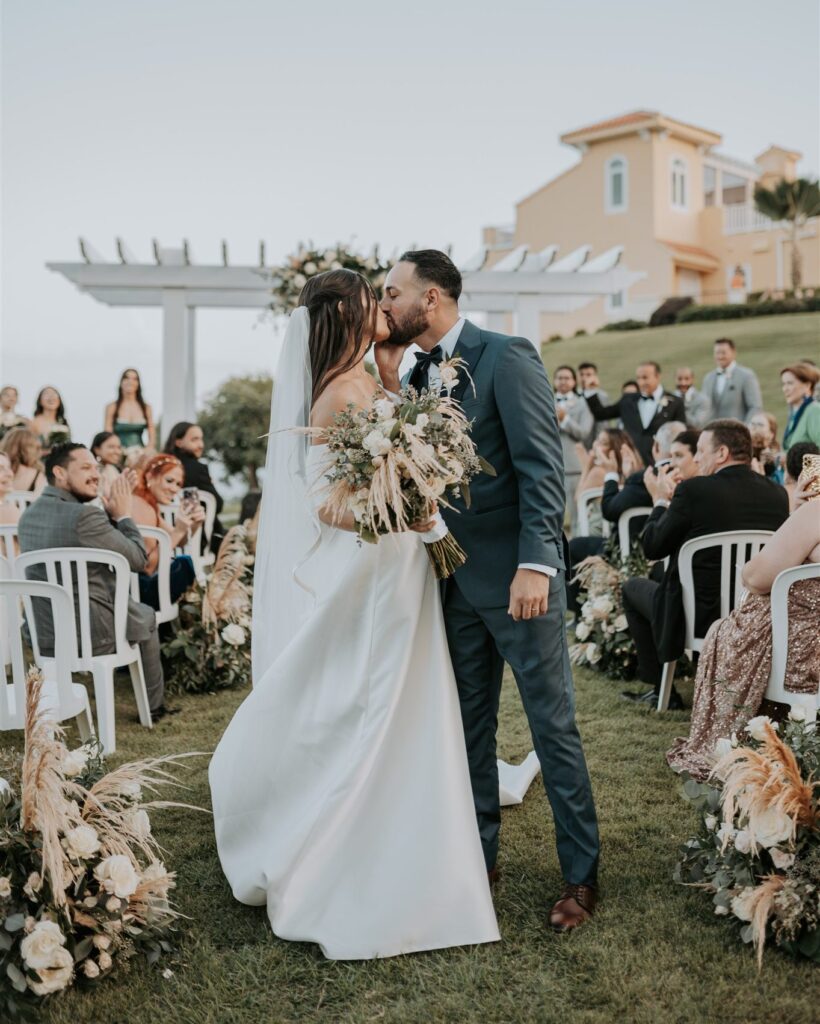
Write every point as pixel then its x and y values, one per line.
pixel 22 499
pixel 784 581
pixel 68 568
pixel 168 610
pixel 624 519
pixel 737 547
pixel 62 698
pixel 8 542
pixel 583 501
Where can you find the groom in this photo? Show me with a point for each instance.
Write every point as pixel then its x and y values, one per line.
pixel 507 603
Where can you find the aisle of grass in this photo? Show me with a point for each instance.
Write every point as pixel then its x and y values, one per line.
pixel 654 953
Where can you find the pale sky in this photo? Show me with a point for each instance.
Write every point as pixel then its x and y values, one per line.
pixel 397 124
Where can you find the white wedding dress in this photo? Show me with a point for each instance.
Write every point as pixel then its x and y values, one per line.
pixel 341 793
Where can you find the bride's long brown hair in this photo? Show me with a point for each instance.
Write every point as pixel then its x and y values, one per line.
pixel 343 309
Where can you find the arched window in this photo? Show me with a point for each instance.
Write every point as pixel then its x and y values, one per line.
pixel 616 185
pixel 680 190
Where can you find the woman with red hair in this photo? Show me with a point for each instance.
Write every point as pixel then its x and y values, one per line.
pixel 160 481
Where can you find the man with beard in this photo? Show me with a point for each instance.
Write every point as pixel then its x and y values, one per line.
pixel 507 603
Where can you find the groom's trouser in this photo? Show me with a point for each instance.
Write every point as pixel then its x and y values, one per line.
pixel 480 641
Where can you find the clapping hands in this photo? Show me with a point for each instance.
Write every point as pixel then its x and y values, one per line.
pixel 661 485
pixel 118 502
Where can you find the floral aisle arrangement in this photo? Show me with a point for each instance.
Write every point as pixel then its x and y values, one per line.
pixel 307 261
pixel 82 883
pixel 602 637
pixel 393 463
pixel 758 848
pixel 211 647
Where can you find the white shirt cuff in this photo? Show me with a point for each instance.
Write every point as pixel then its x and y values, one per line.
pixel 547 570
pixel 439 531
pixel 661 503
pixel 612 476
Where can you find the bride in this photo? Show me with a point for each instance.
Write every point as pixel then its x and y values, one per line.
pixel 340 789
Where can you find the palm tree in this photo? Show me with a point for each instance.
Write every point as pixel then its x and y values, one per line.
pixel 793 202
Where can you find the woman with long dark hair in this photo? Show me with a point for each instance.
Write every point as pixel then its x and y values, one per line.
pixel 187 442
pixel 341 791
pixel 130 417
pixel 49 421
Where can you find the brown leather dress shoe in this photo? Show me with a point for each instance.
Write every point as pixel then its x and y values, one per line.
pixel 493 875
pixel 575 905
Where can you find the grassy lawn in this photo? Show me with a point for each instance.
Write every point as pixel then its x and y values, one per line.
pixel 766 343
pixel 655 951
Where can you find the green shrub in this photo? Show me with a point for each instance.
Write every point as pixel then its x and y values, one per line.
pixel 581 331
pixel 668 311
pixel 623 325
pixel 555 337
pixel 742 310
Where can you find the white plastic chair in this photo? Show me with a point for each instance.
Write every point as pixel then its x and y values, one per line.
pixel 624 519
pixel 22 499
pixel 193 547
pixel 8 544
pixel 168 610
pixel 209 501
pixel 776 687
pixel 60 696
pixel 583 501
pixel 737 547
pixel 69 568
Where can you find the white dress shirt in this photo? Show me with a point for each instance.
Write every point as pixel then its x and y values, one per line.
pixel 647 409
pixel 724 376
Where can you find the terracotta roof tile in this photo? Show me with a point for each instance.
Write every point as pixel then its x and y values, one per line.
pixel 616 122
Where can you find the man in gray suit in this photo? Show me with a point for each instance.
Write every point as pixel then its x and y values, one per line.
pixel 575 424
pixel 733 391
pixel 507 603
pixel 63 516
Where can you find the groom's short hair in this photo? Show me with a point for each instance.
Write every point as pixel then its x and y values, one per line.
pixel 435 267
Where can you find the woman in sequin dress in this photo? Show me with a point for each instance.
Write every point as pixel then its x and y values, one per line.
pixel 737 653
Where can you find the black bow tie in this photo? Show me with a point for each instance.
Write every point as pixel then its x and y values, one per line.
pixel 420 377
pixel 647 398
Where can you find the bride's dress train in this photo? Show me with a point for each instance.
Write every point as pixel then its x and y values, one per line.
pixel 341 792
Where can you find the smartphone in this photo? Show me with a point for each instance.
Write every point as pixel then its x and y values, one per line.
pixel 659 465
pixel 189 497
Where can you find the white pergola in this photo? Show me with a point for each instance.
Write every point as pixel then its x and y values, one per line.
pixel 522 283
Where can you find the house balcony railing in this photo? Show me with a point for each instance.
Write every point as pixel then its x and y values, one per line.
pixel 741 218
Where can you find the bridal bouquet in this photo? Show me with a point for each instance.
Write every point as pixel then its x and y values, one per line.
pixel 758 849
pixel 393 463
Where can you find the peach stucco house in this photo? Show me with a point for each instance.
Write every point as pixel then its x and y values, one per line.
pixel 682 210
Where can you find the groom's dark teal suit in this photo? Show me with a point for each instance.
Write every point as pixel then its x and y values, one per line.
pixel 516 518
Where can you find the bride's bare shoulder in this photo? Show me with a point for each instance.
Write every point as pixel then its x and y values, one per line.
pixel 337 396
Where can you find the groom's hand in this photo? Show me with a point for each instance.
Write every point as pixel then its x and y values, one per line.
pixel 529 594
pixel 388 360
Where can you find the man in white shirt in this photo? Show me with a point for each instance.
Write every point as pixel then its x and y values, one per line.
pixel 575 423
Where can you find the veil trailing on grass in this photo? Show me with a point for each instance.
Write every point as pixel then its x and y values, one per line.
pixel 289 531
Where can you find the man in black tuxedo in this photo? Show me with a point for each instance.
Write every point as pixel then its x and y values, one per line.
pixel 728 495
pixel 644 413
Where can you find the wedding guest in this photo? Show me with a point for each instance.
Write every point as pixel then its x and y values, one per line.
pixel 159 483
pixel 682 456
pixel 695 402
pixel 624 486
pixel 187 442
pixel 727 495
pixel 107 450
pixel 22 447
pixel 575 424
pixel 799 382
pixel 9 513
pixel 49 421
pixel 130 417
pixel 67 515
pixel 642 414
pixel 9 416
pixel 734 666
pixel 794 467
pixel 591 385
pixel 766 455
pixel 733 391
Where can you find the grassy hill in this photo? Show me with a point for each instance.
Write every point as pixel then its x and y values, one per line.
pixel 765 343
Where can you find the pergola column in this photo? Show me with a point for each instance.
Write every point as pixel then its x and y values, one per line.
pixel 178 362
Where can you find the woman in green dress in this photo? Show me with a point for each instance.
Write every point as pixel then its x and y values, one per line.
pixel 799 382
pixel 131 417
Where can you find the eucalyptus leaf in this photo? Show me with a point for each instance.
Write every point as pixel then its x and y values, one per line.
pixel 486 467
pixel 16 977
pixel 14 922
pixel 82 949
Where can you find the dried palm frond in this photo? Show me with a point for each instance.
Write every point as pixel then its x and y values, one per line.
pixel 227 597
pixel 596 576
pixel 760 904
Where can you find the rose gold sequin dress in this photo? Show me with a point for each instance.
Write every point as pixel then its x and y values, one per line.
pixel 734 669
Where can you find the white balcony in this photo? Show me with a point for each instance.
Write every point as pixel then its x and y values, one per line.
pixel 741 218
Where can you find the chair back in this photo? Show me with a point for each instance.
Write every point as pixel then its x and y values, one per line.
pixel 736 548
pixel 168 610
pixel 584 500
pixel 194 546
pixel 12 593
pixel 209 501
pixel 22 499
pixel 8 543
pixel 624 519
pixel 784 581
pixel 68 568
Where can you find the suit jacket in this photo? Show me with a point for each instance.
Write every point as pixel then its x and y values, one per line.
pixel 626 409
pixel 574 428
pixel 697 408
pixel 741 395
pixel 517 515
pixel 736 498
pixel 56 520
pixel 197 475
pixel 633 494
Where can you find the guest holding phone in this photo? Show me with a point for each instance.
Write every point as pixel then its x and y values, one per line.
pixel 187 442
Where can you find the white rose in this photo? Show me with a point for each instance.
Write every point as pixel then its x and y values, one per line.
pixel 741 904
pixel 29 925
pixel 720 911
pixel 112 904
pixel 38 948
pixel 130 789
pixel 5 887
pixel 710 821
pixel 755 727
pixel 582 631
pixel 726 833
pixel 310 268
pixel 74 763
pixel 32 886
pixel 4 788
pixel 105 961
pixel 81 842
pixel 90 969
pixel 743 841
pixel 102 941
pixel 90 902
pixel 438 486
pixel 620 624
pixel 772 827
pixel 593 654
pixel 384 408
pixel 56 976
pixel 376 443
pixel 803 710
pixel 116 875
pixel 233 634
pixel 386 426
pixel 723 747
pixel 449 376
pixel 139 823
pixel 299 280
pixel 422 420
pixel 781 860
